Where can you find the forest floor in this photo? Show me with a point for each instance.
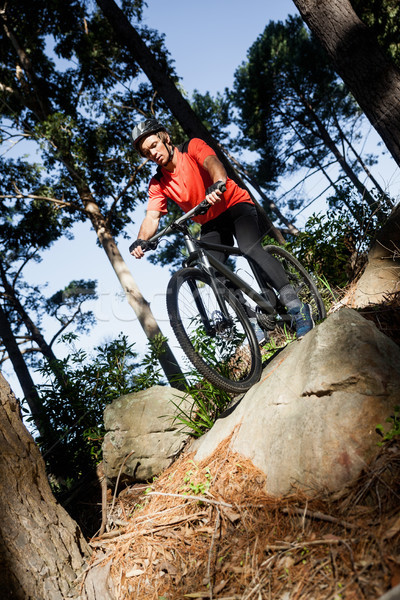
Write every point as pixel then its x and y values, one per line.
pixel 209 530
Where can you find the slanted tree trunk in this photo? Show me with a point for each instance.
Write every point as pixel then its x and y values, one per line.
pixel 373 80
pixel 21 371
pixel 40 108
pixel 42 549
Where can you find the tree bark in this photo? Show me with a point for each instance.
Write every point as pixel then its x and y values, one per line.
pixel 41 548
pixel 22 372
pixel 371 77
pixel 127 35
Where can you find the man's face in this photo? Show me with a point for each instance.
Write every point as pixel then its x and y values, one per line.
pixel 154 149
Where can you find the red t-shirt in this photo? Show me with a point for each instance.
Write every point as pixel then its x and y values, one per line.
pixel 188 183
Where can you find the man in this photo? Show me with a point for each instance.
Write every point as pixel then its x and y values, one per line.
pixel 187 177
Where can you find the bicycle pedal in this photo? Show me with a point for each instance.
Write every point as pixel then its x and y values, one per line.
pixel 267 322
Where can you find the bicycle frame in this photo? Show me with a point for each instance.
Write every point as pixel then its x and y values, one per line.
pixel 199 256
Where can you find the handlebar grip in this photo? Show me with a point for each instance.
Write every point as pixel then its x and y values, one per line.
pixel 146 245
pixel 203 207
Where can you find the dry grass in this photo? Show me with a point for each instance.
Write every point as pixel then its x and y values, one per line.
pixel 209 530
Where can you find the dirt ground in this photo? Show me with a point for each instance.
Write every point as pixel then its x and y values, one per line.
pixel 209 530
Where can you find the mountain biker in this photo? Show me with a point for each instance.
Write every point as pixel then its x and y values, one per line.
pixel 187 178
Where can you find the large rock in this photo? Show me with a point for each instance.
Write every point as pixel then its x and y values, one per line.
pixel 310 421
pixel 142 422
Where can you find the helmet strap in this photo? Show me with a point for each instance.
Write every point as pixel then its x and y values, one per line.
pixel 170 151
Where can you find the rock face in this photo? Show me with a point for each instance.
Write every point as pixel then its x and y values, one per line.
pixel 142 422
pixel 310 421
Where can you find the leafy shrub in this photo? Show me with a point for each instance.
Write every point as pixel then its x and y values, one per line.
pixel 208 403
pixel 324 248
pixel 76 399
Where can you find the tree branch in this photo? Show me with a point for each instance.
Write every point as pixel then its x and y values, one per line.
pixel 20 195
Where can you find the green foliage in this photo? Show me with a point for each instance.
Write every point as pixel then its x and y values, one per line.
pixel 277 340
pixel 332 245
pixel 284 89
pixel 383 18
pixel 394 431
pixel 215 113
pixel 207 403
pixel 75 403
pixel 321 247
pixel 77 111
pixel 295 112
pixel 66 305
pixel 196 481
pixel 149 373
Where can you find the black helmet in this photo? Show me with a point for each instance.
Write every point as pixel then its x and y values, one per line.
pixel 144 129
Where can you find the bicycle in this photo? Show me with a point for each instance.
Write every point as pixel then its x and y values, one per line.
pixel 210 318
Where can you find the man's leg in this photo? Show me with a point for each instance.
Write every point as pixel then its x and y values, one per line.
pixel 243 216
pixel 216 232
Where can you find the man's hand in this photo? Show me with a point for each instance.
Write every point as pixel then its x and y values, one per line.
pixel 215 191
pixel 139 247
pixel 147 229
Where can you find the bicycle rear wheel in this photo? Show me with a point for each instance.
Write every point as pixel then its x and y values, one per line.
pixel 224 349
pixel 301 281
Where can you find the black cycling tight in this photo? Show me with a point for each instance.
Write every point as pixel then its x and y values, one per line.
pixel 241 221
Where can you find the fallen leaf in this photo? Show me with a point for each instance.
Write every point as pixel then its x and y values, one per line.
pixel 220 586
pixel 232 515
pixel 168 567
pixel 134 573
pixel 394 528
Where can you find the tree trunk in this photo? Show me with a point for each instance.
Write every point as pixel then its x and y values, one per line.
pixel 371 77
pixel 330 144
pixel 22 372
pixel 134 297
pixel 127 35
pixel 41 548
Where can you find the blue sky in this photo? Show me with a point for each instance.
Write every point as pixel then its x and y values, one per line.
pixel 209 39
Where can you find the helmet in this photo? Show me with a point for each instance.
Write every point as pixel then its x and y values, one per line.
pixel 144 129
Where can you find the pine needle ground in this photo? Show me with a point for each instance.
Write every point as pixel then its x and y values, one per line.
pixel 209 530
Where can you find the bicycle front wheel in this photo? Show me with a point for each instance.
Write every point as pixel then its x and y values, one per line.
pixel 223 348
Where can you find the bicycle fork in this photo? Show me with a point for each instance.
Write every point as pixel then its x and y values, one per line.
pixel 210 327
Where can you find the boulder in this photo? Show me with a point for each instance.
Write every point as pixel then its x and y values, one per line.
pixel 310 423
pixel 142 423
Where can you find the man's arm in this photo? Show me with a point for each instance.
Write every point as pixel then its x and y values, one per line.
pixel 147 229
pixel 217 172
